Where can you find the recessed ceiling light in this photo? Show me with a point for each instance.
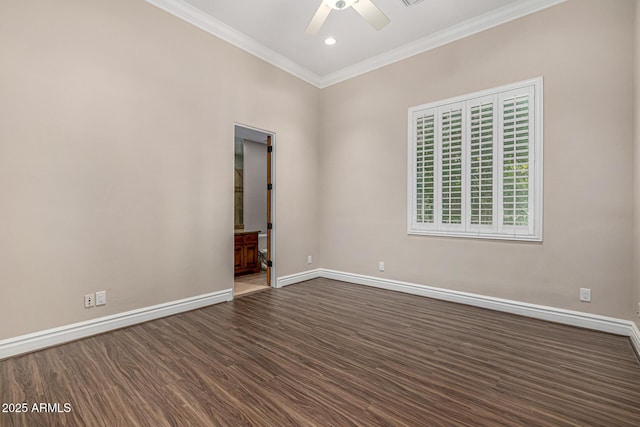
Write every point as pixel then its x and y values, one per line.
pixel 329 41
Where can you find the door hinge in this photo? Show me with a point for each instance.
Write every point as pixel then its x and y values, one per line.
pixel 269 186
pixel 269 148
pixel 269 264
pixel 269 226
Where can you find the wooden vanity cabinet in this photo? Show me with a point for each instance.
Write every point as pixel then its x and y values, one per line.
pixel 246 252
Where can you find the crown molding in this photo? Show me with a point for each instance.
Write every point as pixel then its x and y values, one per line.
pixel 456 32
pixel 200 19
pixel 183 10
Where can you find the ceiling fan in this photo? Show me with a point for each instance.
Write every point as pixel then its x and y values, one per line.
pixel 365 8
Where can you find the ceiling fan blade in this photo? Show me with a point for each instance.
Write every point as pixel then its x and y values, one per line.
pixel 318 19
pixel 371 14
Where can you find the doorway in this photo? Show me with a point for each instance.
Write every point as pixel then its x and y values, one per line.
pixel 253 210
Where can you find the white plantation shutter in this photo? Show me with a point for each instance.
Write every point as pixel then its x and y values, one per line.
pixel 482 170
pixel 451 165
pixel 476 164
pixel 517 174
pixel 425 168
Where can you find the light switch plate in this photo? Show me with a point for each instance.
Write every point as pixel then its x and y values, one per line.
pixel 101 298
pixel 585 294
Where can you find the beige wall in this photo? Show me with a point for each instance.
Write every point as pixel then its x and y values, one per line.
pixel 116 159
pixel 584 51
pixel 636 169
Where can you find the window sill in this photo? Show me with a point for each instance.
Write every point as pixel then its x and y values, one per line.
pixel 488 236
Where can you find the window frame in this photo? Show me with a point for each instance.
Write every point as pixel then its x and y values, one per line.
pixel 533 230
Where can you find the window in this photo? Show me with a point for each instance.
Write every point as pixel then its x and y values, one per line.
pixel 475 164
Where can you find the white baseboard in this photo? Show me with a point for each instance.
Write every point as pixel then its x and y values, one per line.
pixel 39 340
pixel 551 314
pixel 297 278
pixel 635 337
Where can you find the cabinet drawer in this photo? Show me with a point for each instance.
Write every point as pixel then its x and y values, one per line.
pixel 238 240
pixel 251 238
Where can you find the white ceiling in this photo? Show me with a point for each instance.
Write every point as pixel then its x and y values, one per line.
pixel 274 30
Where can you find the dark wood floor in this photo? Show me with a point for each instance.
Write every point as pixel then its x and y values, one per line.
pixel 329 353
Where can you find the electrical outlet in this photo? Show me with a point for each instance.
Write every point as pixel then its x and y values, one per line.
pixel 381 266
pixel 585 294
pixel 101 298
pixel 89 300
pixel 309 259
